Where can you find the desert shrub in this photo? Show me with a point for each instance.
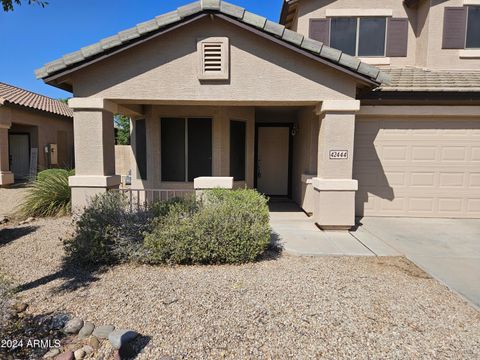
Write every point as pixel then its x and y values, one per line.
pixel 108 233
pixel 49 195
pixel 226 227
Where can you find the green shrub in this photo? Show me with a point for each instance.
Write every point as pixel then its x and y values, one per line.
pixel 227 227
pixel 108 233
pixel 49 195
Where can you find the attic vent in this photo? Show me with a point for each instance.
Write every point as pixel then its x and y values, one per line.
pixel 214 59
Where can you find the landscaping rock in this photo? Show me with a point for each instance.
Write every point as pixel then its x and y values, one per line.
pixel 120 338
pixel 88 349
pixel 20 307
pixel 94 343
pixel 28 220
pixel 86 330
pixel 4 220
pixel 73 326
pixel 102 332
pixel 79 354
pixel 51 354
pixel 68 355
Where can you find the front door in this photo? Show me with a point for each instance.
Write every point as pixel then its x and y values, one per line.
pixel 273 160
pixel 19 148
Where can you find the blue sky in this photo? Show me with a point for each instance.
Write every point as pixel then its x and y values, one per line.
pixel 32 36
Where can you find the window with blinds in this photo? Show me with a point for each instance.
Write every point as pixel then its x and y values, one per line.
pixel 214 59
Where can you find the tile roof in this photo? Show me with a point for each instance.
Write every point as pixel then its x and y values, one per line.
pixel 14 95
pixel 131 35
pixel 420 79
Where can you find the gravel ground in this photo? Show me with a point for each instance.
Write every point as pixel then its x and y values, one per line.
pixel 291 307
pixel 10 198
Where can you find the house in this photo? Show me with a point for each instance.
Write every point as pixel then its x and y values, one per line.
pixel 36 133
pixel 346 107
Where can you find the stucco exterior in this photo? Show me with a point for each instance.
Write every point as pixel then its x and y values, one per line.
pixel 322 106
pixel 43 128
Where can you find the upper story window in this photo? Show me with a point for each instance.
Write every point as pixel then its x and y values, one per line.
pixel 366 36
pixel 473 28
pixel 362 36
pixel 461 27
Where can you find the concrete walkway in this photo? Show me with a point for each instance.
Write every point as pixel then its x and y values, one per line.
pixel 299 235
pixel 447 249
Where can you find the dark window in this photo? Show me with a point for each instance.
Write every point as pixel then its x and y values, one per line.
pixel 473 27
pixel 173 149
pixel 363 36
pixel 238 134
pixel 343 35
pixel 371 39
pixel 141 148
pixel 186 146
pixel 199 148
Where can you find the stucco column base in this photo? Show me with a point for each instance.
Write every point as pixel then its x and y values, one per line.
pixel 307 200
pixel 200 184
pixel 84 188
pixel 334 207
pixel 6 178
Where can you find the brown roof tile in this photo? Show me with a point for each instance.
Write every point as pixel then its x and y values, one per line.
pixel 14 95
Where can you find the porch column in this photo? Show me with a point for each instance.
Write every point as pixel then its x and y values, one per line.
pixel 334 188
pixel 94 150
pixel 6 176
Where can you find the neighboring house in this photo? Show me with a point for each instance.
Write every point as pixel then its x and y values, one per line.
pixel 32 126
pixel 214 90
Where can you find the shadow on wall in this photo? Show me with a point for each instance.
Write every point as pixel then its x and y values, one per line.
pixel 368 170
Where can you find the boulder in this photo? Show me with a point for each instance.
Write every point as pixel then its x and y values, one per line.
pixel 79 354
pixel 67 355
pixel 51 354
pixel 119 338
pixel 86 330
pixel 102 332
pixel 73 326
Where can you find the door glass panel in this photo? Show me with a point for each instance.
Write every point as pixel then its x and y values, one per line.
pixel 141 148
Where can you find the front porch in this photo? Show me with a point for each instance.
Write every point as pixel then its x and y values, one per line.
pixel 275 149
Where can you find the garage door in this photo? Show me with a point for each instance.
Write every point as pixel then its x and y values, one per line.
pixel 419 168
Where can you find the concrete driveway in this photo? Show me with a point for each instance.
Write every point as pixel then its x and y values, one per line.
pixel 447 249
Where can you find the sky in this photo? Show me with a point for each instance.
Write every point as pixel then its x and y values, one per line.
pixel 31 36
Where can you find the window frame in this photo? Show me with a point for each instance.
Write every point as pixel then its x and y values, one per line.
pixel 466 27
pixel 357 40
pixel 185 119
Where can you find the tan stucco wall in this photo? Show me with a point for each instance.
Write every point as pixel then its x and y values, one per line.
pixel 165 70
pixel 124 159
pixel 425 29
pixel 44 129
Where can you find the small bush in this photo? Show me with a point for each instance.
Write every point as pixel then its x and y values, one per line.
pixel 227 227
pixel 49 195
pixel 108 233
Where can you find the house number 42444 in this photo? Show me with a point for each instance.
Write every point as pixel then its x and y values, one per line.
pixel 338 154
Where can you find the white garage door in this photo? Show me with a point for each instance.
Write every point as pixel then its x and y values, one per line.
pixel 418 168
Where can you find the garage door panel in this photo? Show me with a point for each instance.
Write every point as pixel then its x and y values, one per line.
pixel 423 168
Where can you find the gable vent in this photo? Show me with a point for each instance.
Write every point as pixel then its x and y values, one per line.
pixel 213 59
